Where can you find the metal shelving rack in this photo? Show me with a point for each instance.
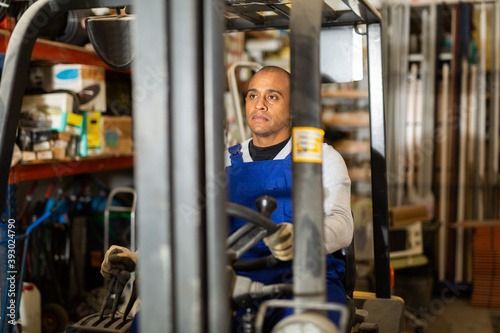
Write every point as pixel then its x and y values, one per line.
pixel 178 102
pixel 53 168
pixel 247 15
pixel 56 51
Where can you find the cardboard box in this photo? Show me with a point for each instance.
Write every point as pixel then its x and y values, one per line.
pixel 28 138
pixel 87 81
pixel 116 135
pixel 47 109
pixel 41 146
pixel 44 155
pixel 27 156
pixel 61 136
pixel 40 135
pixel 58 153
pixel 404 215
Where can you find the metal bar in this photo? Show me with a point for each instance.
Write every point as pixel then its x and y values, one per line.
pixel 495 113
pixel 355 7
pixel 309 282
pixel 187 164
pixel 391 116
pixel 217 281
pixel 443 179
pixel 87 4
pixel 399 111
pixel 282 10
pixel 430 102
pixel 482 83
pixel 459 254
pixel 378 163
pixel 371 14
pixel 253 17
pixel 330 11
pixel 61 169
pixel 152 169
pixel 362 12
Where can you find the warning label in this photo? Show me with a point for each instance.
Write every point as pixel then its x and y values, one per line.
pixel 307 144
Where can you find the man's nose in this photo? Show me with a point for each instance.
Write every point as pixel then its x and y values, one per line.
pixel 261 103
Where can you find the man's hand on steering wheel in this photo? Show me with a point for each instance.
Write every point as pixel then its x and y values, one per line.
pixel 281 242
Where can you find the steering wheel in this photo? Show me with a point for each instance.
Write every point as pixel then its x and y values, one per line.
pixel 260 225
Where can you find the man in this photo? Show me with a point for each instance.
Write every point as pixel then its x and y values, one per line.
pixel 262 165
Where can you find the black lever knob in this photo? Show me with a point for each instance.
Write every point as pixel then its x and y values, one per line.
pixel 266 205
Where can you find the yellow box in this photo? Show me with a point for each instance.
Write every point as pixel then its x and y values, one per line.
pixel 74 123
pixel 93 129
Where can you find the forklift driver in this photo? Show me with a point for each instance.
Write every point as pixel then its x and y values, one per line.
pixel 262 165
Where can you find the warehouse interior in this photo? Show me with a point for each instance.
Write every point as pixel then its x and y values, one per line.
pixel 115 117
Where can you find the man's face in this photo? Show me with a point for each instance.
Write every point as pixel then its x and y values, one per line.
pixel 268 106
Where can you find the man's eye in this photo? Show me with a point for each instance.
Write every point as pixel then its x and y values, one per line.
pixel 273 97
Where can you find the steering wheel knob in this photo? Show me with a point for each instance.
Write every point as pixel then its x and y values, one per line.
pixel 266 205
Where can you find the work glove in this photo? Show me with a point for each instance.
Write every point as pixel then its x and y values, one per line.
pixel 281 242
pixel 118 262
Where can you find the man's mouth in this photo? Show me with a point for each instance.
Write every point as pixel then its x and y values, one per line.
pixel 259 118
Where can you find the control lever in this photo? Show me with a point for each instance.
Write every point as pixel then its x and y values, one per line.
pixel 115 286
pixel 266 205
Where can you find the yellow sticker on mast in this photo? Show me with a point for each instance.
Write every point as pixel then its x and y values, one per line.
pixel 307 144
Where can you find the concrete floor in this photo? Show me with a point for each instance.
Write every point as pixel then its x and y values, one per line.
pixel 444 310
pixel 458 316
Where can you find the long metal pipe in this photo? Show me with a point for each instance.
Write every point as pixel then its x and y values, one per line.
pixel 378 162
pixel 309 257
pixel 152 171
pixel 188 178
pixel 217 281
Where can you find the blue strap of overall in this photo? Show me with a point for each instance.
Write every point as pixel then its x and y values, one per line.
pixel 248 181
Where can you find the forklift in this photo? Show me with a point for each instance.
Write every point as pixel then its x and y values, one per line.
pixel 178 79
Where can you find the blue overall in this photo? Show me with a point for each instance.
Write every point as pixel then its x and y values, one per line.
pixel 247 182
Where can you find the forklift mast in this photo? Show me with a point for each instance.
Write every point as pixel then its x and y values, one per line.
pixel 178 80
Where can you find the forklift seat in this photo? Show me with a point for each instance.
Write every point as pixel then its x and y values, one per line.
pixel 349 281
pixel 346 254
